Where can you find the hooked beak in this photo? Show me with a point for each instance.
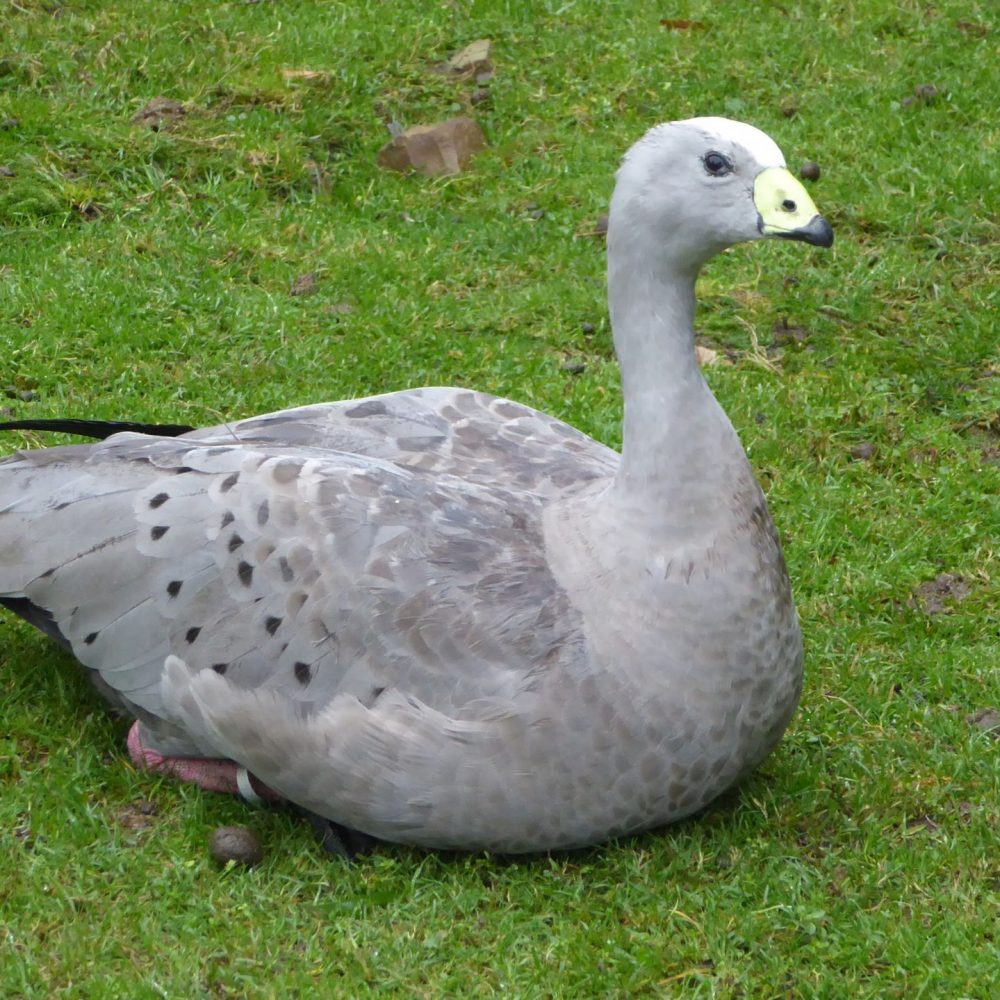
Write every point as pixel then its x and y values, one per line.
pixel 785 210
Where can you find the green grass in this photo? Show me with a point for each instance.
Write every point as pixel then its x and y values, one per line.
pixel 146 275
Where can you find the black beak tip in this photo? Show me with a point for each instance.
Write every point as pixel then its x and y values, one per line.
pixel 817 232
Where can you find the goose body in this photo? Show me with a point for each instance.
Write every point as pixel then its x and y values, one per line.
pixel 440 617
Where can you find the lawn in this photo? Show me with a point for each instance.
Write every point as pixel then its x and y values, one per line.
pixel 149 274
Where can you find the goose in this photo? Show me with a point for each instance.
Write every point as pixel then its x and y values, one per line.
pixel 442 618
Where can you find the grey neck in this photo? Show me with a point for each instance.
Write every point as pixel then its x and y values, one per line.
pixel 678 446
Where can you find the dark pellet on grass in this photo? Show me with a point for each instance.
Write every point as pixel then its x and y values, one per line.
pixel 236 844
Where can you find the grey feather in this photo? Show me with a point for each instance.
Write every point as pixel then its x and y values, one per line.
pixel 437 616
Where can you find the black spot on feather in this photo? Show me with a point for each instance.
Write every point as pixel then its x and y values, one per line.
pixel 235 541
pixel 174 587
pixel 263 513
pixel 272 624
pixel 245 572
pixel 287 573
pixel 371 408
pixel 220 668
pixel 157 532
pixel 91 639
pixel 229 482
pixel 159 500
pixel 227 519
pixel 303 673
pixel 192 634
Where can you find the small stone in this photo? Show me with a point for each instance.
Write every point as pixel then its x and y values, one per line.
pixel 27 395
pixel 573 367
pixel 236 844
pixel 862 452
pixel 473 59
pixel 705 356
pixel 809 171
pixel 6 171
pixel 538 213
pixel 587 329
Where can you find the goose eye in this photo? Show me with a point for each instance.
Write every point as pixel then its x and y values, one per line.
pixel 717 164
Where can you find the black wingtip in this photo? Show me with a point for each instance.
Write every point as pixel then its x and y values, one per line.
pixel 99 429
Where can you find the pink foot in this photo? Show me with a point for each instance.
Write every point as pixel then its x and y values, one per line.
pixel 212 775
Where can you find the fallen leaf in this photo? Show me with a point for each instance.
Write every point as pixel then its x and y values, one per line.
pixel 682 24
pixel 705 356
pixel 973 28
pixel 474 58
pixel 160 112
pixel 304 284
pixel 444 148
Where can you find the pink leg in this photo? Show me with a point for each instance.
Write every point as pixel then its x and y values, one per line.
pixel 212 775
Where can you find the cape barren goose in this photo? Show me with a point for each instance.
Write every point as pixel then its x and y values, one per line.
pixel 443 618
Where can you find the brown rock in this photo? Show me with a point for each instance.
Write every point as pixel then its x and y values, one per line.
pixel 445 148
pixel 986 719
pixel 473 59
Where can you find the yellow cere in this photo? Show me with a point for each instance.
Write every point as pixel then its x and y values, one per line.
pixel 783 203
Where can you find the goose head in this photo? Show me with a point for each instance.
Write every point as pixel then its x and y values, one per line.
pixel 689 189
